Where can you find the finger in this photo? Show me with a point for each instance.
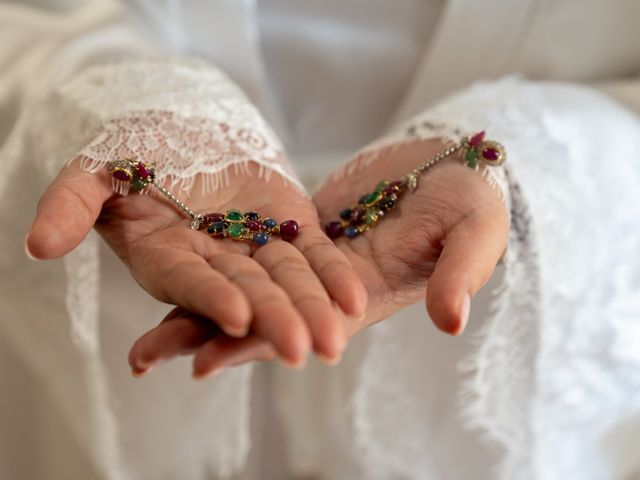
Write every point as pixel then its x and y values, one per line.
pixel 470 253
pixel 67 211
pixel 333 269
pixel 179 333
pixel 275 317
pixel 288 268
pixel 224 352
pixel 185 279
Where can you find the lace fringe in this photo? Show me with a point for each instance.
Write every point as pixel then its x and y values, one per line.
pixel 491 178
pixel 212 179
pixel 521 280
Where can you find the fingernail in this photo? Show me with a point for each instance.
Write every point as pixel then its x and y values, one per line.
pixel 296 365
pixel 27 252
pixel 349 316
pixel 464 313
pixel 138 373
pixel 208 374
pixel 236 331
pixel 145 366
pixel 331 361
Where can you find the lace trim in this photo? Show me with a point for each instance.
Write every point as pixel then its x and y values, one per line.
pixel 183 147
pixel 185 115
pixel 481 405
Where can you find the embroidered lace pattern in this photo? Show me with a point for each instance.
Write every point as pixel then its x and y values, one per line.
pixel 183 147
pixel 185 116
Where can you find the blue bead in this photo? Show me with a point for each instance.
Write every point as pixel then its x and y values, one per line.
pixel 270 222
pixel 351 232
pixel 216 227
pixel 260 238
pixel 346 214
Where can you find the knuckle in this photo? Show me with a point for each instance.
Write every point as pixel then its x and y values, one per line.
pixel 244 275
pixel 316 247
pixel 291 266
pixel 316 298
pixel 172 274
pixel 273 298
pixel 90 209
pixel 334 266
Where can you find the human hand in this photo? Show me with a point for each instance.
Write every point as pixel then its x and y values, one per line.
pixel 282 292
pixel 448 235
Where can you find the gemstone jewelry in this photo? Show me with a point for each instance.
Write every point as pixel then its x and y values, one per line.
pixel 132 175
pixel 248 226
pixel 373 206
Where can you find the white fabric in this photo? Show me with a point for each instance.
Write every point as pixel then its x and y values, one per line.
pixel 550 374
pixel 187 119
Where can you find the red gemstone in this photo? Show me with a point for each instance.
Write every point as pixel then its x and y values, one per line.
pixel 213 217
pixel 255 226
pixel 142 170
pixel 333 229
pixel 358 215
pixel 476 139
pixel 491 154
pixel 289 229
pixel 393 187
pixel 121 175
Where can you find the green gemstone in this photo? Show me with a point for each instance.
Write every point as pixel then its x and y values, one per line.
pixel 381 184
pixel 235 230
pixel 138 184
pixel 234 215
pixel 372 198
pixel 370 216
pixel 471 157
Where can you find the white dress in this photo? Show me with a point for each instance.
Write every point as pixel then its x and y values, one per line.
pixel 545 385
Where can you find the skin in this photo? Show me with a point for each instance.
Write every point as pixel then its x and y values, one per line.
pixel 285 293
pixel 441 244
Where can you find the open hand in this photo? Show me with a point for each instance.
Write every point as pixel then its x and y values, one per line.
pixel 282 292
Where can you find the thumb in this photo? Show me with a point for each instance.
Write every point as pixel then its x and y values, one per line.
pixel 470 253
pixel 67 211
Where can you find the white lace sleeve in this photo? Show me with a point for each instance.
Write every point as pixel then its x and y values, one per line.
pixel 550 375
pixel 185 116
